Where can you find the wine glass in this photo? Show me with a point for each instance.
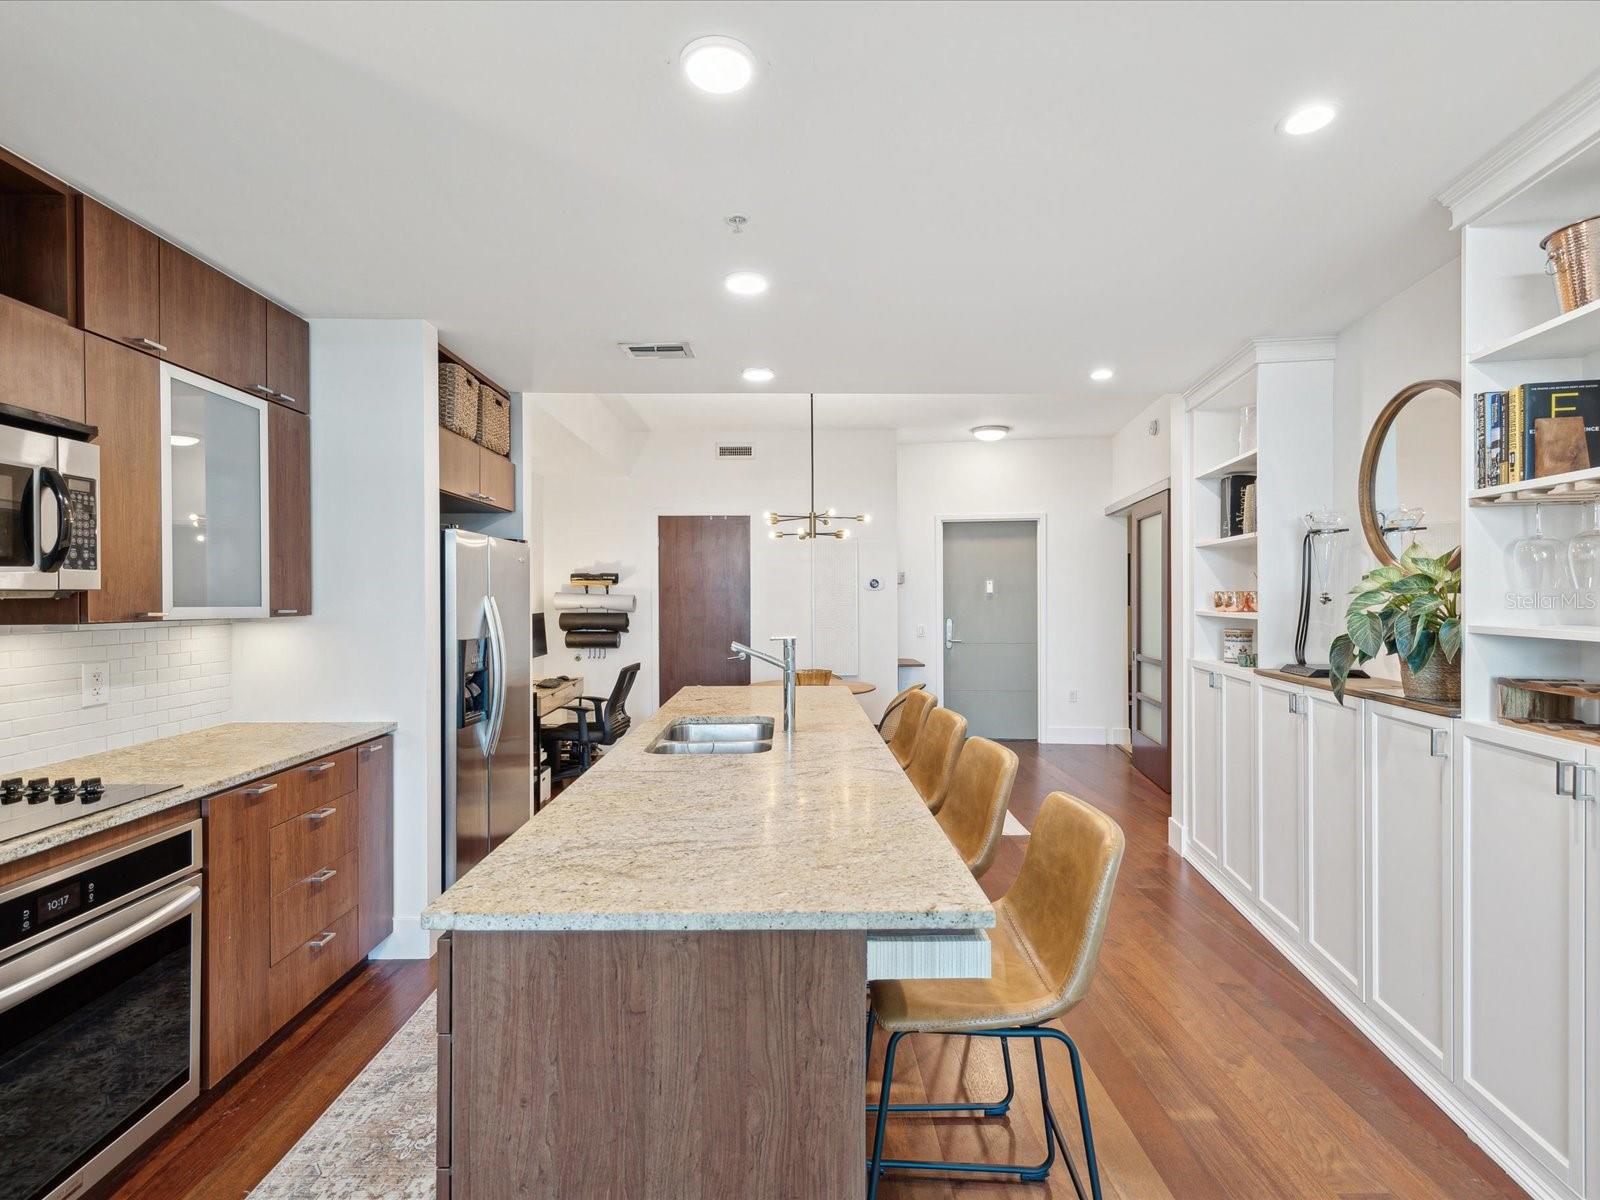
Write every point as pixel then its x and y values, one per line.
pixel 1534 557
pixel 1583 554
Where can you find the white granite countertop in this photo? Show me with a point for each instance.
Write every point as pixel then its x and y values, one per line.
pixel 828 836
pixel 202 763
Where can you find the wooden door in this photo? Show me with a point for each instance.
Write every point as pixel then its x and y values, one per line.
pixel 41 361
pixel 459 465
pixel 1410 798
pixel 497 480
pixel 1335 880
pixel 1205 726
pixel 375 789
pixel 212 324
pixel 121 277
pixel 289 498
pixel 289 358
pixel 1150 639
pixel 238 927
pixel 1280 795
pixel 704 579
pixel 122 393
pixel 1239 780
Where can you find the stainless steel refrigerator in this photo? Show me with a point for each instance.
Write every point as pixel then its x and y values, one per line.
pixel 488 698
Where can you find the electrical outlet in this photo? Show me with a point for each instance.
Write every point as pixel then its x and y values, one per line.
pixel 922 631
pixel 1072 696
pixel 96 685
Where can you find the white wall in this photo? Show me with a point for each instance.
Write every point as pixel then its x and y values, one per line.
pixel 1140 459
pixel 1066 480
pixel 600 509
pixel 370 651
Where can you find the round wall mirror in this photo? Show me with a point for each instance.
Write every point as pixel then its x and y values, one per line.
pixel 1409 488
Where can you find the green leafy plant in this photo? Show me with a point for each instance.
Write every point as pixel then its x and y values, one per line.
pixel 1409 609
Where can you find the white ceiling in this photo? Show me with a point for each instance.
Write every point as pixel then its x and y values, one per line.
pixel 949 198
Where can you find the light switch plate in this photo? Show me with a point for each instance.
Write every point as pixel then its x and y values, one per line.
pixel 96 685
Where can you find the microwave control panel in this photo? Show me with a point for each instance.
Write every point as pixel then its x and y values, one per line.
pixel 83 554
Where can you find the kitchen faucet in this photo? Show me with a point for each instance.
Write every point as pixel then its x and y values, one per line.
pixel 786 665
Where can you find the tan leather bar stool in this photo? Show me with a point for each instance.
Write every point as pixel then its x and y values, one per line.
pixel 974 810
pixel 1047 935
pixel 914 712
pixel 933 762
pixel 889 724
pixel 813 677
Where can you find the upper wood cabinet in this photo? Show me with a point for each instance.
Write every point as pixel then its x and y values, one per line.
pixel 41 361
pixel 37 243
pixel 120 277
pixel 213 324
pixel 122 396
pixel 480 479
pixel 289 497
pixel 288 358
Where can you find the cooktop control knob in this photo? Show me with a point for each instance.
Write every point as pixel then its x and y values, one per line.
pixel 91 789
pixel 38 791
pixel 11 791
pixel 66 790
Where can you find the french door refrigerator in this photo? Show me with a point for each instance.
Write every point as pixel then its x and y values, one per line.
pixel 488 698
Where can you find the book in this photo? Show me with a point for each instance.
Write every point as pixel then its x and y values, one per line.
pixel 1233 504
pixel 1496 439
pixel 1568 398
pixel 1479 443
pixel 1514 436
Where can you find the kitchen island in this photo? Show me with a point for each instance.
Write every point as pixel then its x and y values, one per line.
pixel 656 988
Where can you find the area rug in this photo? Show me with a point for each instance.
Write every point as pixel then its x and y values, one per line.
pixel 376 1141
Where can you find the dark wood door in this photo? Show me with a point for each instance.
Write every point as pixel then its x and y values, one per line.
pixel 41 361
pixel 289 358
pixel 704 576
pixel 212 324
pixel 1150 638
pixel 238 927
pixel 122 395
pixel 289 501
pixel 121 277
pixel 375 787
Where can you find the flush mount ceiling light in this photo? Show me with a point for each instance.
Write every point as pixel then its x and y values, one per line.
pixel 813 524
pixel 746 283
pixel 719 65
pixel 758 375
pixel 1101 374
pixel 1308 119
pixel 185 439
pixel 990 433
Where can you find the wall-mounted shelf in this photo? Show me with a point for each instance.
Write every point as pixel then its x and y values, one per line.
pixel 1571 335
pixel 1226 615
pixel 1549 633
pixel 1575 487
pixel 1238 539
pixel 1239 464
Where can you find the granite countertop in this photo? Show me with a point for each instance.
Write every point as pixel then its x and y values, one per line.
pixel 829 836
pixel 201 763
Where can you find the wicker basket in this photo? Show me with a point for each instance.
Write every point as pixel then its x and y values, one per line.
pixel 494 421
pixel 458 400
pixel 1575 262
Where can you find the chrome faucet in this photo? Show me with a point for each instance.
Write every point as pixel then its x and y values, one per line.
pixel 786 665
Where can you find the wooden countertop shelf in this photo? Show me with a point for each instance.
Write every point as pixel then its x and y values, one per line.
pixel 1385 691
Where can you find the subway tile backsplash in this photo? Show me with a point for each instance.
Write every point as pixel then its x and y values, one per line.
pixel 165 678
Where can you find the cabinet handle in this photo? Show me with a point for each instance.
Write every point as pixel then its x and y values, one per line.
pixel 1439 743
pixel 369 751
pixel 260 791
pixel 1563 788
pixel 286 612
pixel 1583 783
pixel 263 390
pixel 319 768
pixel 286 398
pixel 321 876
pixel 155 616
pixel 321 814
pixel 322 939
pixel 146 344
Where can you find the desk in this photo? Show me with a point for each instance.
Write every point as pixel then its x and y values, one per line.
pixel 858 687
pixel 547 701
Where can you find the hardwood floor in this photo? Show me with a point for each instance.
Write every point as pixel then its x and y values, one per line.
pixel 1215 1071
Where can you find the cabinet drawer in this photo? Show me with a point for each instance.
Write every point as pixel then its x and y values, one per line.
pixel 305 844
pixel 315 784
pixel 313 903
pixel 314 966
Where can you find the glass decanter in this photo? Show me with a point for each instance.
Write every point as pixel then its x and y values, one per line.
pixel 1534 558
pixel 1583 554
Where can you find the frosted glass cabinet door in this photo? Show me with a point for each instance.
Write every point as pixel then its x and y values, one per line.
pixel 214 498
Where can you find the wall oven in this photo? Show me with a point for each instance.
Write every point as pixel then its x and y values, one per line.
pixel 49 505
pixel 99 1011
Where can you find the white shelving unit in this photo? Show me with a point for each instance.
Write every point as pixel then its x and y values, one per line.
pixel 1236 541
pixel 1227 614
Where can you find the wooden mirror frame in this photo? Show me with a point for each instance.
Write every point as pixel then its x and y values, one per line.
pixel 1370 525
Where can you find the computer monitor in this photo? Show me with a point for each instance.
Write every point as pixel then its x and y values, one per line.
pixel 540 646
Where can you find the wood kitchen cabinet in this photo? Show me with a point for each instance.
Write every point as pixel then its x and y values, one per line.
pixel 119 277
pixel 481 478
pixel 288 358
pixel 122 396
pixel 212 324
pixel 41 361
pixel 238 929
pixel 375 790
pixel 289 497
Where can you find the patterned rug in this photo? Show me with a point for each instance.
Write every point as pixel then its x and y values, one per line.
pixel 376 1141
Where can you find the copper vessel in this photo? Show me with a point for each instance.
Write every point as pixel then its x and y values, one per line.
pixel 1574 260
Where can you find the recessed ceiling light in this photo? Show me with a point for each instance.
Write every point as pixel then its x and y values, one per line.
pixel 1101 374
pixel 185 439
pixel 1309 119
pixel 991 433
pixel 746 283
pixel 719 65
pixel 758 374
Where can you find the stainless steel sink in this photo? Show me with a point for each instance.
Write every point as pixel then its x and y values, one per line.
pixel 715 735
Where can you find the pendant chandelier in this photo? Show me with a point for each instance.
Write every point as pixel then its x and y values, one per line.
pixel 813 524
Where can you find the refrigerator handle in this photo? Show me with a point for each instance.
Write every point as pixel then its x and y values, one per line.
pixel 497 646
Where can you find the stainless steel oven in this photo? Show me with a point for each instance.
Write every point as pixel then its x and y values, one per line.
pixel 99 1011
pixel 49 505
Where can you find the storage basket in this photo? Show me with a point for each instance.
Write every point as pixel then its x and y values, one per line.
pixel 1574 261
pixel 458 400
pixel 494 421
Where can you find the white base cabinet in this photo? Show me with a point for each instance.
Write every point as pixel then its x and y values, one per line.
pixel 1239 780
pixel 1335 866
pixel 1280 800
pixel 1205 763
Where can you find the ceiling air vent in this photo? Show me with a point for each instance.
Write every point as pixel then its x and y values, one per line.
pixel 656 349
pixel 732 450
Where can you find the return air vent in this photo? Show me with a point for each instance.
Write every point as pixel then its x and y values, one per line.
pixel 656 349
pixel 732 450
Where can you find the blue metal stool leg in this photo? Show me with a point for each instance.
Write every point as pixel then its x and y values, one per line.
pixel 985 1108
pixel 875 1168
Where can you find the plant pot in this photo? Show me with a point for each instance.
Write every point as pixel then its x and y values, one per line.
pixel 1439 681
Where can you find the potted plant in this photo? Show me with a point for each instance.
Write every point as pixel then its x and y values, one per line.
pixel 1409 610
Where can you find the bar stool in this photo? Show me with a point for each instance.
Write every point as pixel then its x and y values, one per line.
pixel 889 723
pixel 914 712
pixel 813 677
pixel 974 810
pixel 933 761
pixel 1046 941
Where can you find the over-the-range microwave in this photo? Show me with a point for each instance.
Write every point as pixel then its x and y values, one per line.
pixel 49 505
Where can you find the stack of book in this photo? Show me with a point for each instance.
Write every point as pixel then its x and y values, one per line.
pixel 1536 429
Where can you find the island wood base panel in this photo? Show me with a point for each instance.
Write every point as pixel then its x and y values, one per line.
pixel 652 1066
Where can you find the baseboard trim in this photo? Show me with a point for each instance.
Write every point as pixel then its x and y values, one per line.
pixel 409 940
pixel 1527 1175
pixel 1175 835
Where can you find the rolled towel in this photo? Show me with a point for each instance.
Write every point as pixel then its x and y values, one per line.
pixel 614 621
pixel 614 602
pixel 605 639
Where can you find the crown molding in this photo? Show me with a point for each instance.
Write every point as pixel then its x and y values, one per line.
pixel 1568 127
pixel 1255 353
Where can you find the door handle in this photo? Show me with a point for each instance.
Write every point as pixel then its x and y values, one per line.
pixel 286 612
pixel 51 478
pixel 145 343
pixel 1562 787
pixel 263 390
pixel 321 876
pixel 286 398
pixel 1583 783
pixel 1439 743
